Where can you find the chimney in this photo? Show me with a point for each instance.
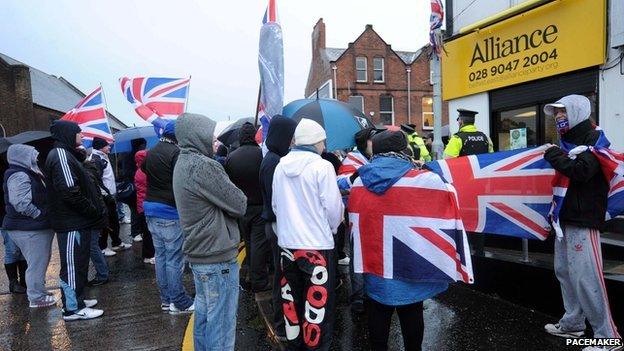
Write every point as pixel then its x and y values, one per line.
pixel 368 26
pixel 318 38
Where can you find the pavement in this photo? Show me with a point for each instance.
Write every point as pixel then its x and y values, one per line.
pixel 459 319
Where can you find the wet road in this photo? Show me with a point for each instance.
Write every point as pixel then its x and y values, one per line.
pixel 459 319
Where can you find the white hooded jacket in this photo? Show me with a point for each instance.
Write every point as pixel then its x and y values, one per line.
pixel 306 201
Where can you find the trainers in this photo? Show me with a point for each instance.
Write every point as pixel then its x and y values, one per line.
pixel 175 310
pixel 555 329
pixel 90 303
pixel 344 261
pixel 85 313
pixel 122 246
pixel 150 260
pixel 108 252
pixel 137 238
pixel 164 306
pixel 44 302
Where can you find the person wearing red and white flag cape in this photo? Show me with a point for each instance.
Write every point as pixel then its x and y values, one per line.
pixel 408 250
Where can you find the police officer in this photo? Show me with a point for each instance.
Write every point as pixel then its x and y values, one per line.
pixel 468 141
pixel 416 143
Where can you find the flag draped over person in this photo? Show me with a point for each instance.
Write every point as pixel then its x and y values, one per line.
pixel 612 165
pixel 156 99
pixel 90 115
pixel 435 22
pixel 518 193
pixel 426 237
pixel 271 64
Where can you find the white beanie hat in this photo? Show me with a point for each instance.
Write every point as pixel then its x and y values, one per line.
pixel 309 132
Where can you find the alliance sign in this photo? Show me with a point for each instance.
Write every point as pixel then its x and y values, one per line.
pixel 560 36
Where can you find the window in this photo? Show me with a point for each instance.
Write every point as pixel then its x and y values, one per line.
pixel 517 128
pixel 427 113
pixel 378 69
pixel 386 110
pixel 357 101
pixel 325 91
pixel 360 67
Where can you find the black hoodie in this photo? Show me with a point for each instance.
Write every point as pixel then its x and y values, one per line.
pixel 281 131
pixel 75 202
pixel 243 165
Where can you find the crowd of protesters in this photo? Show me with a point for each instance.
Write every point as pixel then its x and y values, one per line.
pixel 195 201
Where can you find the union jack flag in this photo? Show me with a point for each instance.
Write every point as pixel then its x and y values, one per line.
pixel 90 115
pixel 155 98
pixel 435 22
pixel 351 163
pixel 507 193
pixel 396 237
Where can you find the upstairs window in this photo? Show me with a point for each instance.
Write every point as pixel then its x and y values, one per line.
pixel 360 67
pixel 378 70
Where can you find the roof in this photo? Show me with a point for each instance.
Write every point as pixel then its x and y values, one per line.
pixel 333 54
pixel 54 92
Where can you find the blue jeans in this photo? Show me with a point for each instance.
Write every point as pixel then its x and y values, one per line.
pixel 216 302
pixel 167 237
pixel 12 253
pixel 97 257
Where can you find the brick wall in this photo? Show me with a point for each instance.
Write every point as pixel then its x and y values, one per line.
pixel 16 109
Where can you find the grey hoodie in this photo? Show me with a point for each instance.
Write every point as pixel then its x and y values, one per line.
pixel 578 108
pixel 18 184
pixel 207 201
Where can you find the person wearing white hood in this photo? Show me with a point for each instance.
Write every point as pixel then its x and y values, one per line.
pixel 308 209
pixel 578 260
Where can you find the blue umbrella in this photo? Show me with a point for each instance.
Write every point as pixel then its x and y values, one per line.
pixel 123 138
pixel 340 120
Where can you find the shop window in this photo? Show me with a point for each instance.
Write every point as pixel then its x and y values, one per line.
pixel 517 128
pixel 386 110
pixel 360 67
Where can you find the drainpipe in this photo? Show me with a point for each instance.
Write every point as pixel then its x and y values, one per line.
pixel 408 70
pixel 335 68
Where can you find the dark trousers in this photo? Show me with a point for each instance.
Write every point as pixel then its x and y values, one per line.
pixel 113 227
pixel 308 295
pixel 380 318
pixel 135 223
pixel 147 250
pixel 259 251
pixel 74 251
pixel 278 314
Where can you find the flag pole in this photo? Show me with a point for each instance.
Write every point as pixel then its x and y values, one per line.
pixel 258 104
pixel 106 109
pixel 188 92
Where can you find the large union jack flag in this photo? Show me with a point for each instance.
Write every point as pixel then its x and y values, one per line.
pixel 155 98
pixel 507 193
pixel 396 237
pixel 90 114
pixel 352 163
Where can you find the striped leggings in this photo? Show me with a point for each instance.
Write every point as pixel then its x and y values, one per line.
pixel 578 266
pixel 74 250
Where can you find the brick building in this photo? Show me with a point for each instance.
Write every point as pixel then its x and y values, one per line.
pixel 30 98
pixel 393 87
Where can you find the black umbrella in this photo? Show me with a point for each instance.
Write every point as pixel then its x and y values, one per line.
pixel 230 135
pixel 33 137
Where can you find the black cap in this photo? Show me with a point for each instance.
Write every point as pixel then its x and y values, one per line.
pixel 466 113
pixel 99 143
pixel 389 141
